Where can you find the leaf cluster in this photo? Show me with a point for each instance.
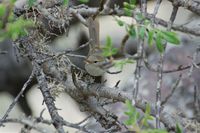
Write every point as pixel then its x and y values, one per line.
pixel 144 30
pixel 139 123
pixel 13 27
pixel 108 49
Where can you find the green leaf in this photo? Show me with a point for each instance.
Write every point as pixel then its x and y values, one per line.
pixel 150 37
pixel 178 128
pixel 133 2
pixel 11 17
pixel 154 131
pixel 159 43
pixel 2 10
pixel 129 6
pixel 3 36
pixel 12 1
pixel 120 64
pixel 15 35
pixel 108 49
pixel 65 2
pixel 142 32
pixel 114 51
pixel 147 116
pixel 170 37
pixel 18 28
pixel 120 22
pixel 129 105
pixel 108 42
pixel 132 114
pixel 148 109
pixel 129 122
pixel 127 12
pixel 31 3
pixel 147 22
pixel 84 1
pixel 139 17
pixel 126 5
pixel 131 31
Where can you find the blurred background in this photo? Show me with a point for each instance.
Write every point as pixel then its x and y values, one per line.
pixel 13 74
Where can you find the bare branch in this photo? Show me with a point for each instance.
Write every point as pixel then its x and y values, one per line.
pixel 172 91
pixel 17 97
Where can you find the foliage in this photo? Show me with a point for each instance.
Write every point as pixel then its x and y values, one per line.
pixel 31 3
pixel 144 30
pixel 120 64
pixel 108 49
pixel 65 2
pixel 138 123
pixel 84 1
pixel 14 27
pixel 178 128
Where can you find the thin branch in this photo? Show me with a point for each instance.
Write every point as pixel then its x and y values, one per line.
pixel 179 68
pixel 79 16
pixel 197 102
pixel 123 43
pixel 193 64
pixel 84 120
pixel 160 69
pixel 192 5
pixel 3 52
pixel 66 52
pixel 6 15
pixel 29 123
pixel 99 90
pixel 159 74
pixel 48 99
pixel 107 6
pixel 87 11
pixel 140 49
pixel 17 97
pixel 172 91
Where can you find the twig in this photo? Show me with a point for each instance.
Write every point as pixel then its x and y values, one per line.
pixel 116 72
pixel 79 16
pixel 6 15
pixel 179 68
pixel 66 52
pixel 140 52
pixel 196 101
pixel 91 11
pixel 84 120
pixel 172 91
pixel 3 52
pixel 29 123
pixel 123 43
pixel 48 99
pixel 144 7
pixel 138 69
pixel 159 74
pixel 17 97
pixel 107 6
pixel 160 69
pixel 193 64
pixel 192 5
pixel 101 91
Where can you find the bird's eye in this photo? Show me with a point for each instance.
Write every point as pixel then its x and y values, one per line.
pixel 95 61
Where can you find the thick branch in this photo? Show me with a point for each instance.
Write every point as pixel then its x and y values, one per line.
pixel 192 5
